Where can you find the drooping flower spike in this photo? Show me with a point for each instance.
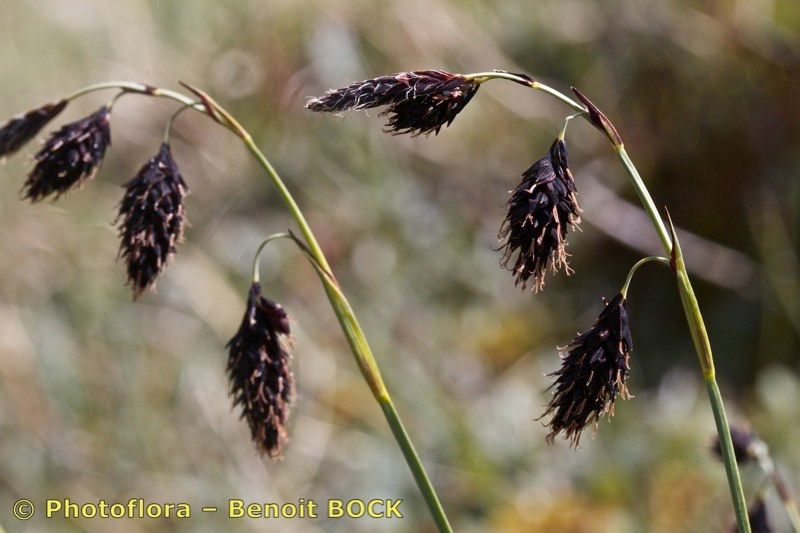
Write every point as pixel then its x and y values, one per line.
pixel 541 211
pixel 17 131
pixel 258 367
pixel 594 372
pixel 419 102
pixel 70 157
pixel 151 219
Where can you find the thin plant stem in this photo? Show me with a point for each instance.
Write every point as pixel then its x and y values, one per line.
pixel 563 132
pixel 360 348
pixel 640 263
pixel 171 120
pixel 341 306
pixel 689 300
pixel 257 256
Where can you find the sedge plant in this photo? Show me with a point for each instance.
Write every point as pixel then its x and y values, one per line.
pixel 540 213
pixel 151 223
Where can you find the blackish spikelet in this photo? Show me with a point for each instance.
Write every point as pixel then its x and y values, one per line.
pixel 539 214
pixel 593 372
pixel 151 219
pixel 17 131
pixel 70 157
pixel 420 102
pixel 258 367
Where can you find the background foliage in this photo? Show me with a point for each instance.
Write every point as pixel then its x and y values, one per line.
pixel 103 398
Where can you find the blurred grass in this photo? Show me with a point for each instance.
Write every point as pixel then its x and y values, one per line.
pixel 101 398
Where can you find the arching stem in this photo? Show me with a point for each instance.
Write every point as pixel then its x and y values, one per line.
pixel 341 306
pixel 691 308
pixel 171 120
pixel 637 266
pixel 257 256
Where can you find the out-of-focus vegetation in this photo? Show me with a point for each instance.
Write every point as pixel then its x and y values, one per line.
pixel 104 398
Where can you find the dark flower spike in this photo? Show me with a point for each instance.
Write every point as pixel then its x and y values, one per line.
pixel 151 219
pixel 20 129
pixel 539 214
pixel 70 157
pixel 258 367
pixel 419 102
pixel 593 373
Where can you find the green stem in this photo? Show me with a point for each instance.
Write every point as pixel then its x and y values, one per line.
pixel 563 132
pixel 344 312
pixel 728 456
pixel 689 300
pixel 369 368
pixel 637 266
pixel 171 120
pixel 134 87
pixel 481 77
pixel 645 198
pixel 359 346
pixel 257 256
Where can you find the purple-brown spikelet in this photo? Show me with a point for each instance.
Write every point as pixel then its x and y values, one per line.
pixel 594 372
pixel 539 214
pixel 70 157
pixel 17 131
pixel 419 102
pixel 151 219
pixel 258 367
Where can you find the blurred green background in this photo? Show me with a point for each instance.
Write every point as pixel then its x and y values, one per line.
pixel 104 398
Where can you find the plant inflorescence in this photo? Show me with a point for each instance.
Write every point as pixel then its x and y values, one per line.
pixel 541 211
pixel 539 215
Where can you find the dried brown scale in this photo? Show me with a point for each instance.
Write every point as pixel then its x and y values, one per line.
pixel 419 102
pixel 526 79
pixel 594 372
pixel 598 119
pixel 70 157
pixel 539 214
pixel 258 367
pixel 151 219
pixel 17 131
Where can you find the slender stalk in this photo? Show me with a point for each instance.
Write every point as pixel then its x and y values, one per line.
pixel 645 198
pixel 257 256
pixel 563 132
pixel 481 77
pixel 171 120
pixel 134 87
pixel 691 308
pixel 344 312
pixel 728 457
pixel 637 266
pixel 360 347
